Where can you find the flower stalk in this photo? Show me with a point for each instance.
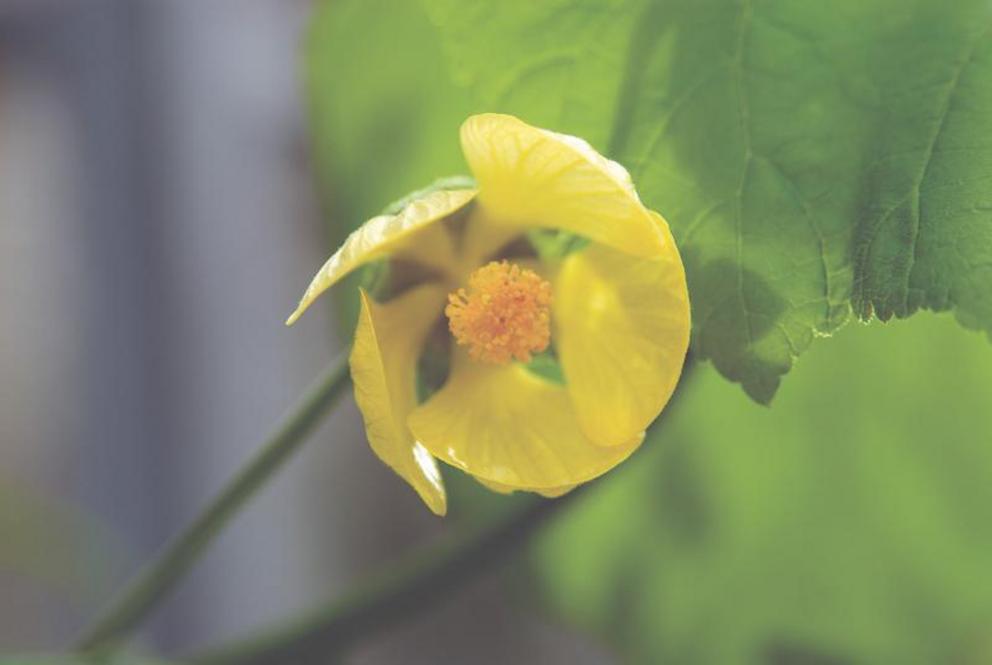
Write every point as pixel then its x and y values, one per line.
pixel 159 577
pixel 386 598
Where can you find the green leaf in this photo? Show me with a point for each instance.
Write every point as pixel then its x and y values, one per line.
pixel 809 156
pixel 847 525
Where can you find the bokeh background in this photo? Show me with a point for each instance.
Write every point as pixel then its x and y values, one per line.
pixel 167 188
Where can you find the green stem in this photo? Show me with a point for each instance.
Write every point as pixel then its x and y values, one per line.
pixel 412 584
pixel 159 577
pixel 384 599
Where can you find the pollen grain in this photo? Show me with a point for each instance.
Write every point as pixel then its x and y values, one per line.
pixel 504 314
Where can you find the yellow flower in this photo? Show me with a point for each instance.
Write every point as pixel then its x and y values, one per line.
pixel 616 312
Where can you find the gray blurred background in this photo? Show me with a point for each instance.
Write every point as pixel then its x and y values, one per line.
pixel 157 223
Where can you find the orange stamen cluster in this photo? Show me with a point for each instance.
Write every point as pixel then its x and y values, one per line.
pixel 504 313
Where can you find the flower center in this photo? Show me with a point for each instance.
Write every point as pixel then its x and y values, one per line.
pixel 504 313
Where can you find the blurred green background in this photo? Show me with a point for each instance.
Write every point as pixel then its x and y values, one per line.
pixel 848 523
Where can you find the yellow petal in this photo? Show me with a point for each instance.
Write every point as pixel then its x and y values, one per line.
pixel 549 492
pixel 411 232
pixel 621 325
pixel 534 177
pixel 383 368
pixel 504 425
pixel 555 492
